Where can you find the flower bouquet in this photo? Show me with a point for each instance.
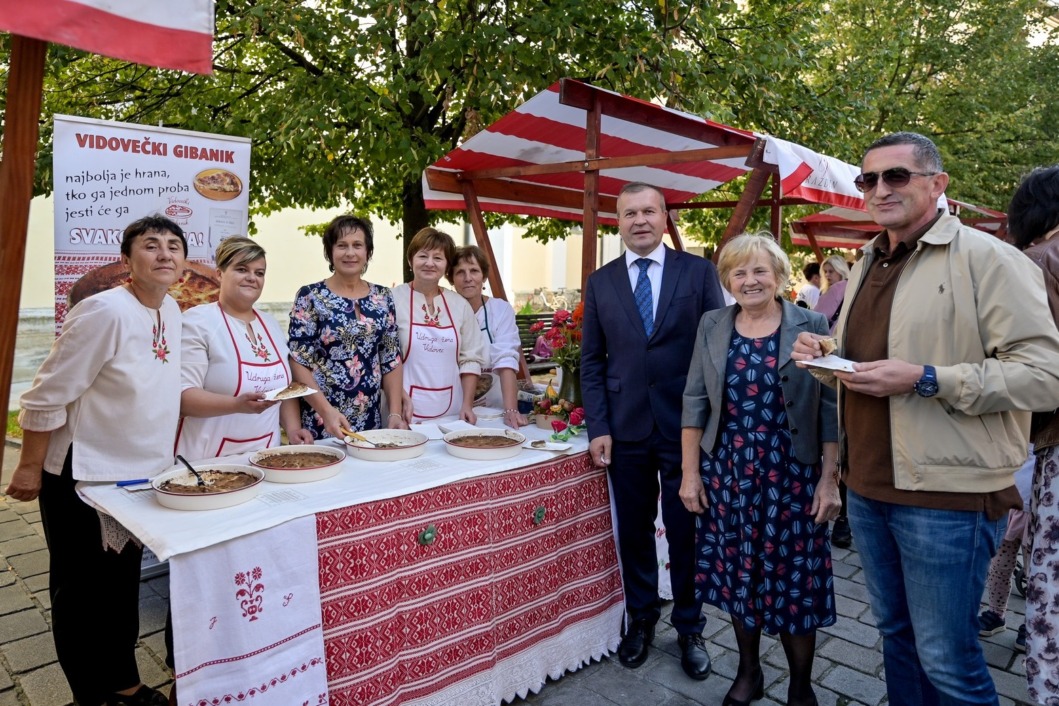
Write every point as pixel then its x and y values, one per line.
pixel 562 416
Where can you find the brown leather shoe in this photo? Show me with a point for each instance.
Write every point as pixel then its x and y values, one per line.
pixel 632 652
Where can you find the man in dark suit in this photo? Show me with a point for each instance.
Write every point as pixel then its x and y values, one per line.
pixel 641 314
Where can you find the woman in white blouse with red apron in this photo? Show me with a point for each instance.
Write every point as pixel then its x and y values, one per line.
pixel 231 355
pixel 441 343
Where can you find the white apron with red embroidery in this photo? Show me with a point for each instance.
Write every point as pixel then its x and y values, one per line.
pixel 431 363
pixel 258 366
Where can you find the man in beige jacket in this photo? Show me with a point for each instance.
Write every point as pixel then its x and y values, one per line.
pixel 953 343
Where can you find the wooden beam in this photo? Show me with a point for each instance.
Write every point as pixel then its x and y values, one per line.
pixel 589 221
pixel 674 233
pixel 815 247
pixel 525 192
pixel 481 237
pixel 582 95
pixel 776 210
pixel 604 163
pixel 755 186
pixel 732 204
pixel 25 83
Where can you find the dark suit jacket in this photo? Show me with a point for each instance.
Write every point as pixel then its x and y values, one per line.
pixel 811 414
pixel 631 383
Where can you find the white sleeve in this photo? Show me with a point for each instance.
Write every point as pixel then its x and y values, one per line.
pixel 90 338
pixel 195 348
pixel 506 345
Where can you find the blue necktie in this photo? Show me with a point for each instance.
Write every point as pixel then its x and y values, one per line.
pixel 642 293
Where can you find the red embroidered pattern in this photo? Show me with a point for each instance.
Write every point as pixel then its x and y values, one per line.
pixel 262 688
pixel 403 621
pixel 249 597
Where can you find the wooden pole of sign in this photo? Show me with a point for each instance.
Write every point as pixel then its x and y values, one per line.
pixel 25 83
pixel 590 220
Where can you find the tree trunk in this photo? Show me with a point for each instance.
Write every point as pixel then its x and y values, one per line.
pixel 414 218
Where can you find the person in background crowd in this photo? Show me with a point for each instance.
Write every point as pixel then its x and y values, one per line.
pixel 443 347
pixel 809 294
pixel 343 340
pixel 836 274
pixel 104 407
pixel 636 347
pixel 1002 567
pixel 1033 221
pixel 496 319
pixel 755 430
pixel 945 326
pixel 231 354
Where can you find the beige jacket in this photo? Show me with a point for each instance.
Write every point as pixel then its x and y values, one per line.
pixel 975 308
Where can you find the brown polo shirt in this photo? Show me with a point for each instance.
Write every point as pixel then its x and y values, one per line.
pixel 866 419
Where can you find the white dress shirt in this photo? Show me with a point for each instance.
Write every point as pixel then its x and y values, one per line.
pixel 654 272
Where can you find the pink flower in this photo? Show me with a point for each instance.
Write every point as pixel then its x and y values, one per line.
pixel 537 327
pixel 559 426
pixel 560 317
pixel 577 416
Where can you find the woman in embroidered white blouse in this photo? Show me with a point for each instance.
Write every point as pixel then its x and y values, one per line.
pixel 104 407
pixel 441 345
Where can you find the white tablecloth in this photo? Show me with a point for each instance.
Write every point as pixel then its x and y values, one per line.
pixel 170 532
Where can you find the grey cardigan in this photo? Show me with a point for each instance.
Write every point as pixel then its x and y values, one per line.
pixel 811 411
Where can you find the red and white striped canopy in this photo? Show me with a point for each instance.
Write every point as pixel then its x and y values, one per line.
pixel 552 128
pixel 845 228
pixel 170 34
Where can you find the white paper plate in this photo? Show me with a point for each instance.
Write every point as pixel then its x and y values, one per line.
pixel 411 444
pixel 539 445
pixel 206 501
pixel 484 454
pixel 271 394
pixel 299 475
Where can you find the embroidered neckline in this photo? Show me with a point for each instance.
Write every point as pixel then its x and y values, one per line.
pixel 158 343
pixel 429 320
pixel 258 346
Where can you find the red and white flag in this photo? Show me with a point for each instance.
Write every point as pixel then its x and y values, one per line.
pixel 169 34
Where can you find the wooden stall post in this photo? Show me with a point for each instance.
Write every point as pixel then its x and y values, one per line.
pixel 25 82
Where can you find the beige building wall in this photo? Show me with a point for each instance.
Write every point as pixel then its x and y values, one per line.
pixel 296 259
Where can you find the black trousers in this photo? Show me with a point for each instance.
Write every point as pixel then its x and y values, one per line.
pixel 94 594
pixel 635 471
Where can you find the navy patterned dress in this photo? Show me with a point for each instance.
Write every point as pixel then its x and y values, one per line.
pixel 761 558
pixel 348 353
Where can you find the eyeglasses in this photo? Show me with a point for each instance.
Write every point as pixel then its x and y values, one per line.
pixel 895 177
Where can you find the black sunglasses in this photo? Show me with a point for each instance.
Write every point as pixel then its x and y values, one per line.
pixel 895 177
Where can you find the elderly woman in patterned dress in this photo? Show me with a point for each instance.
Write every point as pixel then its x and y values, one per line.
pixel 1033 222
pixel 343 339
pixel 759 451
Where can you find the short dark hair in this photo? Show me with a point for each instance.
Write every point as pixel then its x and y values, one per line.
pixel 925 151
pixel 341 225
pixel 432 239
pixel 472 253
pixel 811 270
pixel 150 224
pixel 1034 209
pixel 635 187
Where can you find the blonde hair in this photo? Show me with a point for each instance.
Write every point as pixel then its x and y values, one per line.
pixel 740 249
pixel 839 265
pixel 237 250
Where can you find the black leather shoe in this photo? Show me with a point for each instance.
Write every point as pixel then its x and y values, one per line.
pixel 840 534
pixel 144 696
pixel 694 658
pixel 757 693
pixel 632 652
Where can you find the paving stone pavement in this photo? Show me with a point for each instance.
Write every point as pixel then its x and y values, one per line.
pixel 848 667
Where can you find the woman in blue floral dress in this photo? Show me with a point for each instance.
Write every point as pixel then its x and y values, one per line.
pixel 757 432
pixel 343 339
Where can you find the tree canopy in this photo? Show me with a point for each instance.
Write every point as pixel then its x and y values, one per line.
pixel 349 100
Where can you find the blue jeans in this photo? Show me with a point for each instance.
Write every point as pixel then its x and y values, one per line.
pixel 925 571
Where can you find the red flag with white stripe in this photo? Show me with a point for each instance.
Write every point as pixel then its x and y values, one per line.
pixel 169 34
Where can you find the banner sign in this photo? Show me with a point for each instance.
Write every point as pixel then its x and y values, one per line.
pixel 108 174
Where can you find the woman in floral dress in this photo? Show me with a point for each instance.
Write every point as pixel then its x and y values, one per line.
pixel 759 448
pixel 1033 222
pixel 343 340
